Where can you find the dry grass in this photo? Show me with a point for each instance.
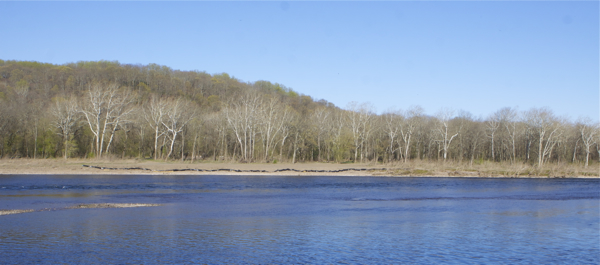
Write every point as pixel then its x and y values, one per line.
pixel 493 169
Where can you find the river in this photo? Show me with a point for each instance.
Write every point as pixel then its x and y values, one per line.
pixel 299 219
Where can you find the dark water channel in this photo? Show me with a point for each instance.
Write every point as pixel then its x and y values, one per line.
pixel 287 219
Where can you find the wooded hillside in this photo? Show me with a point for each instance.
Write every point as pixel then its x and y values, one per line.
pixel 96 109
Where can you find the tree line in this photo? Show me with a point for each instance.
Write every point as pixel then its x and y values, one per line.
pixel 104 108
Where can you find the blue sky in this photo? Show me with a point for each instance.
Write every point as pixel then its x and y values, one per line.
pixel 476 56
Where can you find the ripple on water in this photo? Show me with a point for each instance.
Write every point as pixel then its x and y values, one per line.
pixel 316 220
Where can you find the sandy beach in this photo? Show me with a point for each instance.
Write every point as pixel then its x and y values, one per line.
pixel 153 167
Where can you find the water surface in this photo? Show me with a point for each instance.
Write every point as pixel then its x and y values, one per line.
pixel 304 219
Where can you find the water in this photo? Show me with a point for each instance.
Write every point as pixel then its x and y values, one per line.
pixel 308 219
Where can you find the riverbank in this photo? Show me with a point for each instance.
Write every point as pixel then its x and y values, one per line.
pixel 412 168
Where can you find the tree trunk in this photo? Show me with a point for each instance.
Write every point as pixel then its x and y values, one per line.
pixel 155 143
pixel 97 146
pixel 514 154
pixel 194 147
pixel 103 133
pixel 162 146
pixel 587 158
pixel 35 143
pixel 528 148
pixel 112 134
pixel 295 148
pixel 493 153
pixel 540 154
pixel 171 147
pixel 140 155
pixel 281 148
pixel 66 147
pixel 182 145
pixel 319 146
pixel 575 151
pixel 406 150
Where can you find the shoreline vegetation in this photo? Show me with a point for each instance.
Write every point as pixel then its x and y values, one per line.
pixel 108 110
pixel 399 169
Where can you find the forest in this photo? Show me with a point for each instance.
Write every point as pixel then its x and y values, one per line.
pixel 108 109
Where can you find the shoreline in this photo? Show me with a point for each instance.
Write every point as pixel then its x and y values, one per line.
pixel 152 167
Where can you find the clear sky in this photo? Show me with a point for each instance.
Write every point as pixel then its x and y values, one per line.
pixel 472 55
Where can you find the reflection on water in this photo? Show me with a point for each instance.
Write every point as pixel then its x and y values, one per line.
pixel 286 219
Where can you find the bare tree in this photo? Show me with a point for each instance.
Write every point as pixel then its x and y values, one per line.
pixel 219 125
pixel 336 130
pixel 391 127
pixel 321 118
pixel 105 109
pixel 492 124
pixel 547 128
pixel 359 121
pixel 154 113
pixel 195 126
pixel 179 113
pixel 296 130
pixel 412 118
pixel 241 117
pixel 272 115
pixel 66 116
pixel 287 128
pixel 588 132
pixel 93 111
pixel 444 116
pixel 509 118
pixel 471 136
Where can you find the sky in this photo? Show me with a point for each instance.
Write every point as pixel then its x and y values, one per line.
pixel 477 56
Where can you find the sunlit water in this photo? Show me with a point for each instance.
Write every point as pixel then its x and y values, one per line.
pixel 287 219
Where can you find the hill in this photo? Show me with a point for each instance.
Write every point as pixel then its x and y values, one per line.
pixel 105 108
